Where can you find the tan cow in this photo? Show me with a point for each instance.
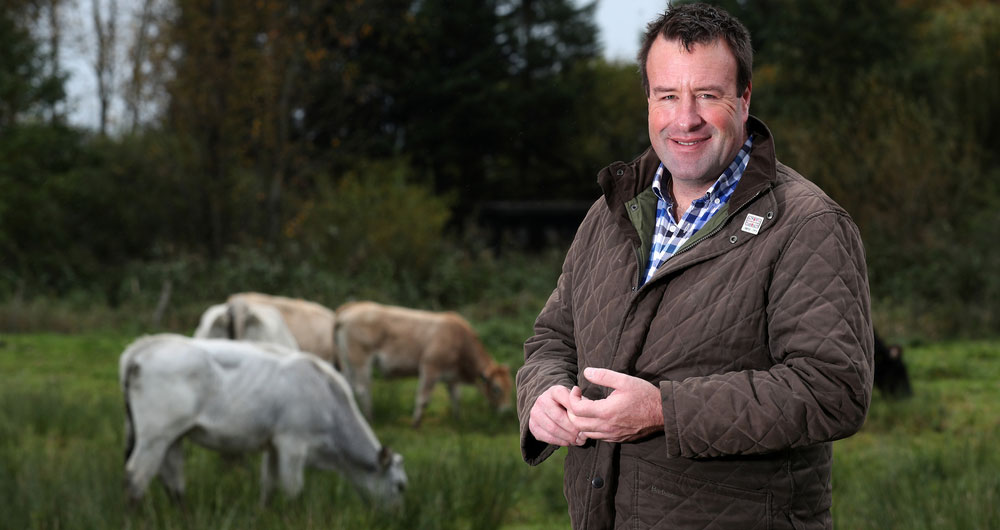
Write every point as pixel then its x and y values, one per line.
pixel 310 323
pixel 406 342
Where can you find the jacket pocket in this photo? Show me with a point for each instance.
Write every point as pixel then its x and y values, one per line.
pixel 650 496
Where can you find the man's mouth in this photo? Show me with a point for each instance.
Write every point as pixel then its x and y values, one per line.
pixel 688 143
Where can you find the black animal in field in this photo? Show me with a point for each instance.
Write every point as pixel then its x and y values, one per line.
pixel 891 378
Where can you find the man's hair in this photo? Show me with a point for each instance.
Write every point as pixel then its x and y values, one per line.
pixel 700 24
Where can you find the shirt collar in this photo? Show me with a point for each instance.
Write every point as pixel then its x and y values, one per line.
pixel 728 180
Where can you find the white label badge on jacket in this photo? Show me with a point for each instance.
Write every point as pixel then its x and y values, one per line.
pixel 752 223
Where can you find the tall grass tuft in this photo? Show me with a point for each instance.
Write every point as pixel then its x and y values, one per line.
pixel 923 483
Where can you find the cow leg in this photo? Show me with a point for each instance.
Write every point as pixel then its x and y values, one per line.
pixel 143 464
pixel 362 388
pixel 428 378
pixel 268 471
pixel 172 471
pixel 291 465
pixel 356 360
pixel 453 391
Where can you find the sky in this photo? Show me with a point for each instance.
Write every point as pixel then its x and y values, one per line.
pixel 620 23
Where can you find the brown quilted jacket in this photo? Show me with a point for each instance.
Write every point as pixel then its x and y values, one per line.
pixel 761 345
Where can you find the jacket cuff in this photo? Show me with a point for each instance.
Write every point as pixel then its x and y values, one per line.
pixel 533 451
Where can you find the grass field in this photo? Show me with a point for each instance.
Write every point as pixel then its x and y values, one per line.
pixel 930 462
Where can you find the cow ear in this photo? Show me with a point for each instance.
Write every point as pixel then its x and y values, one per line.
pixel 384 457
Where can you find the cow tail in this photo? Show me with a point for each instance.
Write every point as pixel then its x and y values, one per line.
pixel 231 331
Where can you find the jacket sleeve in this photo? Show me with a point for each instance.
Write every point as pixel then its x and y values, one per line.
pixel 550 358
pixel 820 338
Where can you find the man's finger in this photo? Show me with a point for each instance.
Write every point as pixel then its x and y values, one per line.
pixel 549 430
pixel 605 377
pixel 586 413
pixel 560 395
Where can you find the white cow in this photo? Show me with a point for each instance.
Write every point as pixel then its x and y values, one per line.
pixel 240 320
pixel 436 346
pixel 309 322
pixel 237 397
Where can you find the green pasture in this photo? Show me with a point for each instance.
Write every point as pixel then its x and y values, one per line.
pixel 929 462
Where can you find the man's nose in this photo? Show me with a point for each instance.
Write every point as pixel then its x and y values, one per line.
pixel 688 115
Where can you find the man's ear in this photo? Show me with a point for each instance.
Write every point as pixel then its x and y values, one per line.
pixel 745 99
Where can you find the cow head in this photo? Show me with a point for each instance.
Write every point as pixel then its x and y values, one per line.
pixel 496 383
pixel 382 482
pixel 393 479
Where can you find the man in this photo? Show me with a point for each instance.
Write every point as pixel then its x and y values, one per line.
pixel 710 334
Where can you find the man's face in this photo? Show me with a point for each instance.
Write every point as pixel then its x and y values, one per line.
pixel 696 116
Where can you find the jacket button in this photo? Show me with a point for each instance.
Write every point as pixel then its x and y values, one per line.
pixel 770 215
pixel 732 239
pixel 598 482
pixel 621 172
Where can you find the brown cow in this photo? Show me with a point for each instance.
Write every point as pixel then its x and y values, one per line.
pixel 406 342
pixel 310 323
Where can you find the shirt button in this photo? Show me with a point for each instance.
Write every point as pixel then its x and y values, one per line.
pixel 597 483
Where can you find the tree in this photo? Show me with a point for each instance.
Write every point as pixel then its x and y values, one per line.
pixel 548 40
pixel 609 120
pixel 492 109
pixel 105 57
pixel 30 84
pixel 478 94
pixel 145 72
pixel 214 54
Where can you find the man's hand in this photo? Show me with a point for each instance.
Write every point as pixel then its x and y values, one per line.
pixel 632 411
pixel 549 422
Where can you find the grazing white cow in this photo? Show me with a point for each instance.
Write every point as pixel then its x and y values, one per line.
pixel 240 320
pixel 310 323
pixel 432 345
pixel 238 397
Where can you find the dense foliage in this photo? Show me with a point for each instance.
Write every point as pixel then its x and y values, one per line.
pixel 358 139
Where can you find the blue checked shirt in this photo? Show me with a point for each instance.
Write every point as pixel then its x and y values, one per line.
pixel 668 235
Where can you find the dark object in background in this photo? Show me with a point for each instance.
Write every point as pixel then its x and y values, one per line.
pixel 891 377
pixel 531 225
